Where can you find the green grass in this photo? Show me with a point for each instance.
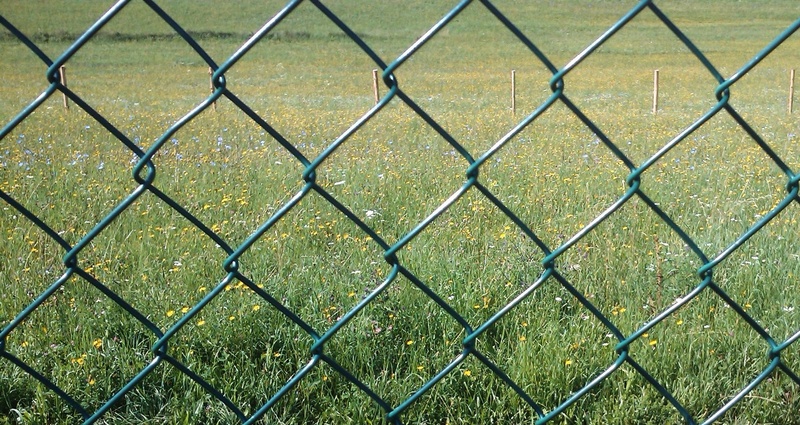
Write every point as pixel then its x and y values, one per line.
pixel 311 84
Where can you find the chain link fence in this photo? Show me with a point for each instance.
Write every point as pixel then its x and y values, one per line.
pixel 144 181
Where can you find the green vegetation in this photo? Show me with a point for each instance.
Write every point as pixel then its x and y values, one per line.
pixel 310 83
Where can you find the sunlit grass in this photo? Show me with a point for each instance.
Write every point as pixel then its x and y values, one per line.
pixel 556 176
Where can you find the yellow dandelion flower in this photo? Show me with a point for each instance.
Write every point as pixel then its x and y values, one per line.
pixel 467 372
pixel 567 362
pixel 170 313
pixel 97 343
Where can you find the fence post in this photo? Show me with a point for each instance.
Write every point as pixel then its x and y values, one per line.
pixel 375 85
pixel 513 92
pixel 211 86
pixel 791 91
pixel 655 92
pixel 62 72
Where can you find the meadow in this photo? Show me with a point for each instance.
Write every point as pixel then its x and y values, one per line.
pixel 310 83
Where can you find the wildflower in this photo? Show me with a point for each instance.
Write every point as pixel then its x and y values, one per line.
pixel 467 372
pixel 79 360
pixel 97 344
pixel 256 307
pixel 170 313
pixel 567 362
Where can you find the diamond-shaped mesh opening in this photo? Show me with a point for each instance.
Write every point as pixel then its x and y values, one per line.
pixel 474 103
pixel 228 173
pixel 715 201
pixel 137 250
pixel 764 91
pixel 620 99
pixel 556 175
pixel 718 354
pixel 401 353
pixel 316 262
pixel 555 346
pixel 51 154
pixel 761 97
pixel 91 351
pixel 632 267
pixel 125 69
pixel 760 276
pixel 241 346
pixel 474 258
pixel 310 99
pixel 376 172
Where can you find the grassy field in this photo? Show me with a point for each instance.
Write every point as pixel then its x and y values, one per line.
pixel 311 83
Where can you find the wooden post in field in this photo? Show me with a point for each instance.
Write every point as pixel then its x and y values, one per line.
pixel 655 92
pixel 791 91
pixel 513 92
pixel 62 72
pixel 211 85
pixel 375 85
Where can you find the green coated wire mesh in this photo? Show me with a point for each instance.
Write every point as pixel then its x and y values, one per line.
pixel 548 262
